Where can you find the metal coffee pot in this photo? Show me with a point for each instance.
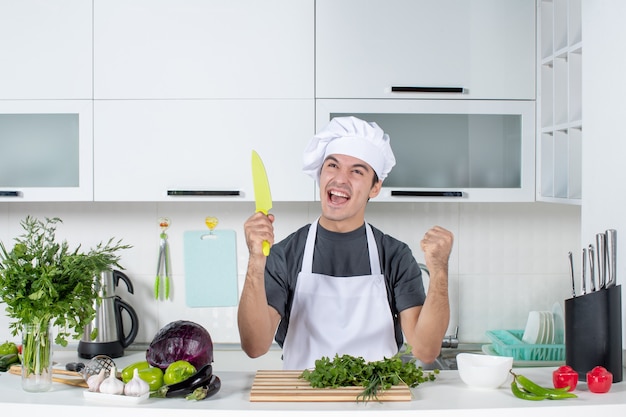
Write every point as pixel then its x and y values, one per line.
pixel 111 337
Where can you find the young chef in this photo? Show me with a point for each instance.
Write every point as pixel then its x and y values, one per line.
pixel 339 285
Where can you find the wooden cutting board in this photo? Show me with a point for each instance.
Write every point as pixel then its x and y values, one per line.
pixel 285 386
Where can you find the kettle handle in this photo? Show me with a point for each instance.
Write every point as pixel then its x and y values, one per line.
pixel 125 339
pixel 116 280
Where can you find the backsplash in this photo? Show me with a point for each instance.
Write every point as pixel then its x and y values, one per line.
pixel 508 258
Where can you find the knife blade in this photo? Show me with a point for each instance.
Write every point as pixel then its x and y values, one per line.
pixel 584 272
pixel 262 194
pixel 592 269
pixel 571 272
pixel 611 256
pixel 601 257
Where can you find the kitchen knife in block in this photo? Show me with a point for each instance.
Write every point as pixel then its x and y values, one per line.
pixel 210 268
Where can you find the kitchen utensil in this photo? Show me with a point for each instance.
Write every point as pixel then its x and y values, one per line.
pixel 262 194
pixel 287 386
pixel 76 382
pixel 611 256
pixel 96 364
pixel 163 263
pixel 210 261
pixel 584 272
pixel 601 257
pixel 108 325
pixel 483 371
pixel 93 367
pixel 592 269
pixel 571 272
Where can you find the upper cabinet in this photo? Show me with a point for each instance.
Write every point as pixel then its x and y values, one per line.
pixel 46 150
pixel 46 49
pixel 184 90
pixel 192 49
pixel 458 49
pixel 559 101
pixel 199 150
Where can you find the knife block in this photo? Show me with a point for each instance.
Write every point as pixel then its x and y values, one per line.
pixel 593 332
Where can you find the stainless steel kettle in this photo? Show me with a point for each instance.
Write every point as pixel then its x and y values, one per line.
pixel 108 325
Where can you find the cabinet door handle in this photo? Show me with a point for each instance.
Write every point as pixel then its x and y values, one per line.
pixel 405 89
pixel 400 193
pixel 203 193
pixel 9 193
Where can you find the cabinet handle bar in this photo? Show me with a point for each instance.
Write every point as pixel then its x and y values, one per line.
pixel 405 89
pixel 398 193
pixel 9 193
pixel 203 193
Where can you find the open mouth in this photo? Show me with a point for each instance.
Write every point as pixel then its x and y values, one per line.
pixel 338 197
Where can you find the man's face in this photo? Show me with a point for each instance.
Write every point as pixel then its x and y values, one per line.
pixel 345 188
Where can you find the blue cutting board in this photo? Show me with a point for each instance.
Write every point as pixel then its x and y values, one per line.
pixel 211 268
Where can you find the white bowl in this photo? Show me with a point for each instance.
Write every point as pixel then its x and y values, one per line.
pixel 483 371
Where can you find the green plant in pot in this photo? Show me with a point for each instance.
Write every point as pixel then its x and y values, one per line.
pixel 43 283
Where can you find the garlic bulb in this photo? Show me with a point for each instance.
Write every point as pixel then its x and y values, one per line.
pixel 112 385
pixel 94 381
pixel 136 387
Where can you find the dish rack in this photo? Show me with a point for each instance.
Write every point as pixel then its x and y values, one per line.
pixel 509 343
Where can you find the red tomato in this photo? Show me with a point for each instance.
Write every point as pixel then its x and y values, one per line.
pixel 599 380
pixel 565 376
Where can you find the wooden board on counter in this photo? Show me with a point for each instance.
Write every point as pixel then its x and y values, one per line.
pixel 286 386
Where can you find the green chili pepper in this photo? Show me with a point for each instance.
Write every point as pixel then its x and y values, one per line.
pixel 533 391
pixel 524 395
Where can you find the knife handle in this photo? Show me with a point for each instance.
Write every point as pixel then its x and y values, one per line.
pixel 266 248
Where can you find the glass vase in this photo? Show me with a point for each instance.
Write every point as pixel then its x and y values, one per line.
pixel 36 357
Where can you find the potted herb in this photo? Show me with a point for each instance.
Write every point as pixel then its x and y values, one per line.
pixel 43 283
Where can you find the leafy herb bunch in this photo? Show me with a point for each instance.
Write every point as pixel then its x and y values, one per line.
pixel 376 376
pixel 43 282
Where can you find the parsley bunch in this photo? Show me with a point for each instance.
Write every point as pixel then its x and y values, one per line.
pixel 346 370
pixel 44 282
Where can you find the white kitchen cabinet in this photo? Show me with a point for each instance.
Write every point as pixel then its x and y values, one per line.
pixel 451 150
pixel 45 49
pixel 484 47
pixel 46 150
pixel 199 150
pixel 559 101
pixel 196 49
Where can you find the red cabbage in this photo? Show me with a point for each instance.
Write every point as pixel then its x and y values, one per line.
pixel 181 341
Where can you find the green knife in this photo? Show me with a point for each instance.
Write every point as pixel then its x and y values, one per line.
pixel 262 194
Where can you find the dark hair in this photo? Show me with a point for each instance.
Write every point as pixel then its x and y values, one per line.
pixel 375 179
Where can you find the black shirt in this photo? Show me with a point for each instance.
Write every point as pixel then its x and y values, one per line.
pixel 342 255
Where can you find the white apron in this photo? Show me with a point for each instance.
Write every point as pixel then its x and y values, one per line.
pixel 338 315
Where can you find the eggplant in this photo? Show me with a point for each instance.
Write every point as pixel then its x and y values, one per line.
pixel 206 391
pixel 186 387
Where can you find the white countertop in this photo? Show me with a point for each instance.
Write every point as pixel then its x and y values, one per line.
pixel 447 396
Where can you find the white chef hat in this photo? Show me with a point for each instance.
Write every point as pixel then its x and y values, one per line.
pixel 353 137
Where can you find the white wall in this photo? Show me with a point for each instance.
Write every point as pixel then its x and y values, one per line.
pixel 604 111
pixel 507 258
